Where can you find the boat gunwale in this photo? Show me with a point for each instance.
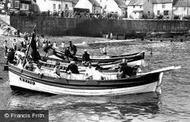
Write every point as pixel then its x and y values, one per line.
pixel 119 83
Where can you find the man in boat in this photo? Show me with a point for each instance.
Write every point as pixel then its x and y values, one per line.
pixel 14 44
pixel 73 68
pixel 47 47
pixel 125 70
pixel 73 48
pixel 68 53
pixel 24 45
pixel 85 57
pixel 11 56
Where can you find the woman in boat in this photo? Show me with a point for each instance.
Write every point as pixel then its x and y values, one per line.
pixel 92 73
pixel 85 57
pixel 73 68
pixel 56 70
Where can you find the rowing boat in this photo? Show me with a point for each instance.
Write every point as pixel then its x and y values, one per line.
pixel 79 84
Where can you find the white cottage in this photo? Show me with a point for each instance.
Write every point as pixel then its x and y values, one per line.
pixel 181 8
pixel 138 8
pixel 55 5
pixel 113 6
pixel 162 7
pixel 92 5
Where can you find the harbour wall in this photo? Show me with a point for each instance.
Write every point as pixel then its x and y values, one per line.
pixel 57 26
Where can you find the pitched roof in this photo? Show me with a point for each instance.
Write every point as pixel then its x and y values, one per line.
pixel 94 2
pixel 136 2
pixel 161 1
pixel 121 3
pixel 181 3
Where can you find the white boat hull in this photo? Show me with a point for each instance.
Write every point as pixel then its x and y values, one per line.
pixel 151 87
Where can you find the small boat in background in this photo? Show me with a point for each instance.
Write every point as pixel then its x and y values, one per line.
pixel 106 59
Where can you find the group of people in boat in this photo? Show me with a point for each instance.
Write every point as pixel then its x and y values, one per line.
pixel 124 70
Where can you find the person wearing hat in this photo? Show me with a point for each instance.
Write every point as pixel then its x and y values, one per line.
pixel 73 68
pixel 125 70
pixel 85 57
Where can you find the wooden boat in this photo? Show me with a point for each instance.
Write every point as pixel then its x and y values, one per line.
pixel 106 59
pixel 78 84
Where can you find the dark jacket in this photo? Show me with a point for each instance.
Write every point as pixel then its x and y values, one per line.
pixel 73 49
pixel 11 56
pixel 126 70
pixel 85 57
pixel 73 68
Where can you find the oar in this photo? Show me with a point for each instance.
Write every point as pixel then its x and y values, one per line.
pixel 163 70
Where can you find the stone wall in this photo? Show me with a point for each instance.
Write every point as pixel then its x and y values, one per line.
pixel 57 26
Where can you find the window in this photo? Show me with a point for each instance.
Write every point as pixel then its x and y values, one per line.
pixel 24 7
pixel 54 6
pixel 166 12
pixel 158 12
pixel 148 12
pixel 163 6
pixel 66 6
pixel 17 4
pixel 59 6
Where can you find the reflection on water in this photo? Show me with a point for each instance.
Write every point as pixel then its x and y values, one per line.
pixel 78 108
